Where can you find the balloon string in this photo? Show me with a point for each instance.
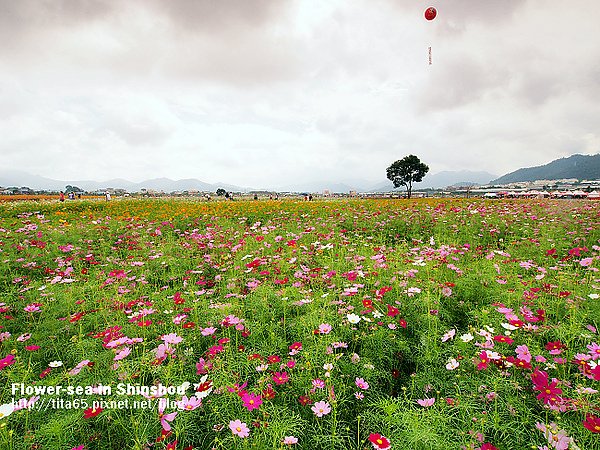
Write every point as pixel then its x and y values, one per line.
pixel 429 55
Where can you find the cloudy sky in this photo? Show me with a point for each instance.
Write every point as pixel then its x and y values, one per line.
pixel 268 92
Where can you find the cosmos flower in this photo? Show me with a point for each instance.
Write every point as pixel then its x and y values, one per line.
pixel 321 408
pixel 239 428
pixel 379 442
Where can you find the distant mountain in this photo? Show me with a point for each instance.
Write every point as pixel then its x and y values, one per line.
pixel 581 167
pixel 18 178
pixel 437 180
pixel 456 177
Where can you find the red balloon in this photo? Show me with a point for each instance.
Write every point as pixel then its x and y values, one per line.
pixel 430 13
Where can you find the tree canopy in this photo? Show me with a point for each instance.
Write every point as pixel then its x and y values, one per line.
pixel 407 171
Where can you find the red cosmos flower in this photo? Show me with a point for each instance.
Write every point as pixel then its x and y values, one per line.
pixel 504 339
pixel 592 423
pixel 91 412
pixel 189 325
pixel 520 363
pixel 172 445
pixel 164 434
pixel 392 311
pixel 549 393
pixel 268 393
pixel 204 386
pixel 555 347
pixel 539 378
pixel 178 299
pixel 488 446
pixel 483 361
pixel 45 372
pixel 381 292
pixel 253 264
pixel 254 356
pixel 144 323
pixel 367 303
pixel 596 372
pixel 402 323
pixel 296 346
pixel 32 348
pixel 281 377
pixel 273 359
pixel 379 442
pixel 304 400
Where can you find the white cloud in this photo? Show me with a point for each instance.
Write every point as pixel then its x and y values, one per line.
pixel 263 92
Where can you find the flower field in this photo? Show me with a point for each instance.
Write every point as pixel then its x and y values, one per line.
pixel 424 324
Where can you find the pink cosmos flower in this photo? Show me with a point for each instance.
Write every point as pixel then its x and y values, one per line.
pixel 426 402
pixel 448 335
pixel 165 418
pixel 361 383
pixel 122 354
pixel 171 338
pixel 290 440
pixel 586 262
pixel 239 428
pixel 594 349
pixel 318 384
pixel 321 408
pixel 189 404
pixel 208 331
pixel 325 328
pixel 522 352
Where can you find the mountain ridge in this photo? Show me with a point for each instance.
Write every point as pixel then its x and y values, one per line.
pixel 581 167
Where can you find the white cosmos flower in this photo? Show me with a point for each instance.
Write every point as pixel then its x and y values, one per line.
pixel 594 296
pixel 452 364
pixel 467 337
pixel 353 318
pixel 508 326
pixel 55 364
pixel 6 410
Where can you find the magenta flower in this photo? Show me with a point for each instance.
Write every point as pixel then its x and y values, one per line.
pixel 7 361
pixel 239 428
pixel 321 408
pixel 251 401
pixel 281 377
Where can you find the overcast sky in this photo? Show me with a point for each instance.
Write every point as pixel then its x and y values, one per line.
pixel 268 92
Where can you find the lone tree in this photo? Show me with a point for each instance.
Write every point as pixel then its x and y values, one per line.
pixel 220 192
pixel 407 171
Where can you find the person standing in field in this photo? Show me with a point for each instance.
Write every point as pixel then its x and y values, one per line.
pixel 61 196
pixel 107 196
